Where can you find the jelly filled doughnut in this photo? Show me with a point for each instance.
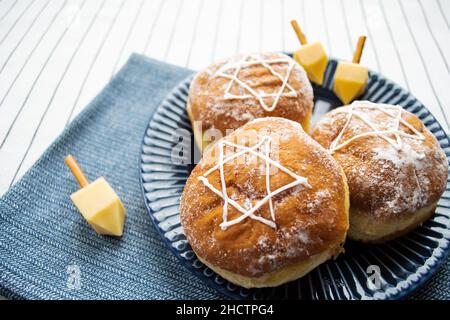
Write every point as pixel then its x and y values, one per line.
pixel 234 91
pixel 265 205
pixel 395 168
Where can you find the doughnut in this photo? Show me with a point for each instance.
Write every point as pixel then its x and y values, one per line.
pixel 395 168
pixel 234 91
pixel 265 205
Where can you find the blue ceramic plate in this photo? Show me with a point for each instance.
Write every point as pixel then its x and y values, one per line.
pixel 404 264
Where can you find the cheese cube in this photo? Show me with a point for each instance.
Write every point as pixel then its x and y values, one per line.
pixel 101 207
pixel 313 59
pixel 350 81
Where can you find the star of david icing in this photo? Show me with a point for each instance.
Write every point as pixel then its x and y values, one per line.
pixel 231 71
pixel 394 112
pixel 260 150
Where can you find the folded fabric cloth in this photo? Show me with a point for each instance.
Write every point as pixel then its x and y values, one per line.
pixel 47 251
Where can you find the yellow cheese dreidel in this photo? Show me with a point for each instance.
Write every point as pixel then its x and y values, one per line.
pixel 311 56
pixel 97 202
pixel 350 79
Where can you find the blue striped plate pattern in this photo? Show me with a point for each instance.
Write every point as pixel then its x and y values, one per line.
pixel 405 263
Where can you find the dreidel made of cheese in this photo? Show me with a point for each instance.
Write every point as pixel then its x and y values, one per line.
pixel 311 56
pixel 350 78
pixel 97 202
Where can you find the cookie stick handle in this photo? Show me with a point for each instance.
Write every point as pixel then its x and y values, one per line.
pixel 359 49
pixel 298 31
pixel 76 171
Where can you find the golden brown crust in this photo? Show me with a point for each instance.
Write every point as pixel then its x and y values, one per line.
pixel 385 184
pixel 285 274
pixel 370 230
pixel 212 110
pixel 310 220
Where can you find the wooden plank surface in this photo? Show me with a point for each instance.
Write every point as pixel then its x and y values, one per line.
pixel 56 55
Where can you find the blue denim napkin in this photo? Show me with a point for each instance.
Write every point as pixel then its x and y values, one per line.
pixel 47 251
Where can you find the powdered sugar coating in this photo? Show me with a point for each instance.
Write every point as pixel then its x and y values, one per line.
pixel 260 150
pixel 217 105
pixel 386 180
pixel 231 71
pixel 308 220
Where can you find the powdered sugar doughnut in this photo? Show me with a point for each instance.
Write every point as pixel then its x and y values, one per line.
pixel 395 168
pixel 265 205
pixel 236 90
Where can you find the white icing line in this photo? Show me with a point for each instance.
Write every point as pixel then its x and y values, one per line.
pixel 282 87
pixel 236 72
pixel 267 149
pixel 233 156
pixel 234 77
pixel 266 140
pixel 397 143
pixel 236 205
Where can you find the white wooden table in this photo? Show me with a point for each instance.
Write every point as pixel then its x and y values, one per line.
pixel 56 55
